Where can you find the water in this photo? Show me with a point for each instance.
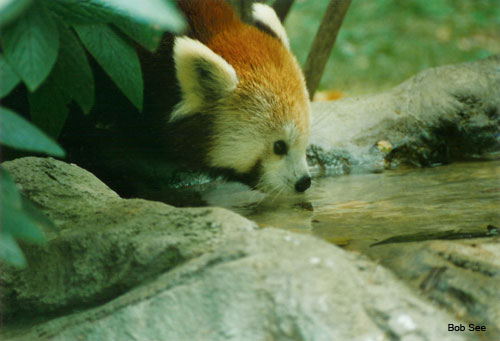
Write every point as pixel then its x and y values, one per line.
pixel 357 210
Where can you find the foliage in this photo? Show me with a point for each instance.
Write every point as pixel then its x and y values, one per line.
pixel 16 220
pixel 383 42
pixel 43 46
pixel 40 48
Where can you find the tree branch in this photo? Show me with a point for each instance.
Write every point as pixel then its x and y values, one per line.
pixel 282 7
pixel 323 43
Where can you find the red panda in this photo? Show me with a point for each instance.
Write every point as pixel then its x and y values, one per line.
pixel 244 110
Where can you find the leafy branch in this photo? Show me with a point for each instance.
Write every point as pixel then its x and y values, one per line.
pixel 43 45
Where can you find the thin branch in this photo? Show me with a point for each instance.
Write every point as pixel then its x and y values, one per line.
pixel 323 43
pixel 282 7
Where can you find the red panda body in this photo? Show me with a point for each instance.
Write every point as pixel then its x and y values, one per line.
pixel 244 109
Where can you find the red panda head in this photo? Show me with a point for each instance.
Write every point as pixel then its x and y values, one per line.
pixel 244 99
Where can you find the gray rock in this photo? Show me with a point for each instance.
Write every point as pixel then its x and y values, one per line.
pixel 262 285
pixel 192 274
pixel 105 245
pixel 462 275
pixel 437 116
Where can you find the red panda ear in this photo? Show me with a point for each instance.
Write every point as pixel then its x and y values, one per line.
pixel 203 76
pixel 266 20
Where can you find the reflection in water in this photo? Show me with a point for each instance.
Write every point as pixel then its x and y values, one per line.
pixel 362 209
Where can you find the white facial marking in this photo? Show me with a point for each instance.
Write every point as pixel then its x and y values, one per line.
pixel 238 145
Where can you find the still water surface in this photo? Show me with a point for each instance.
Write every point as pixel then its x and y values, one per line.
pixel 358 210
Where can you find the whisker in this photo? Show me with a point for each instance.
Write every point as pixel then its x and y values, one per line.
pixel 275 189
pixel 280 192
pixel 277 195
pixel 263 198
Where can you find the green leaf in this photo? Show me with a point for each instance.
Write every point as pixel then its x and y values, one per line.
pixel 8 189
pixel 18 224
pixel 146 36
pixel 9 79
pixel 10 251
pixel 116 57
pixel 72 72
pixel 70 79
pixel 11 9
pixel 160 13
pixel 18 133
pixel 30 45
pixel 82 11
pixel 15 222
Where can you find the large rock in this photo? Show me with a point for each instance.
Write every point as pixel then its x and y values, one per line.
pixel 269 285
pixel 105 245
pixel 461 275
pixel 437 116
pixel 199 274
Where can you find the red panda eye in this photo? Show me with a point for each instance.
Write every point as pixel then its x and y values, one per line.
pixel 280 147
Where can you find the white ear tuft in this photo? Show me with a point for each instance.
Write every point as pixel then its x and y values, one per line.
pixel 204 76
pixel 265 15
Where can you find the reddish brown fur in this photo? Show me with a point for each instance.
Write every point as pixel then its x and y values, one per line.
pixel 261 61
pixel 207 18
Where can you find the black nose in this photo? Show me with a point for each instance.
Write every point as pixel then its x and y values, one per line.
pixel 303 183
